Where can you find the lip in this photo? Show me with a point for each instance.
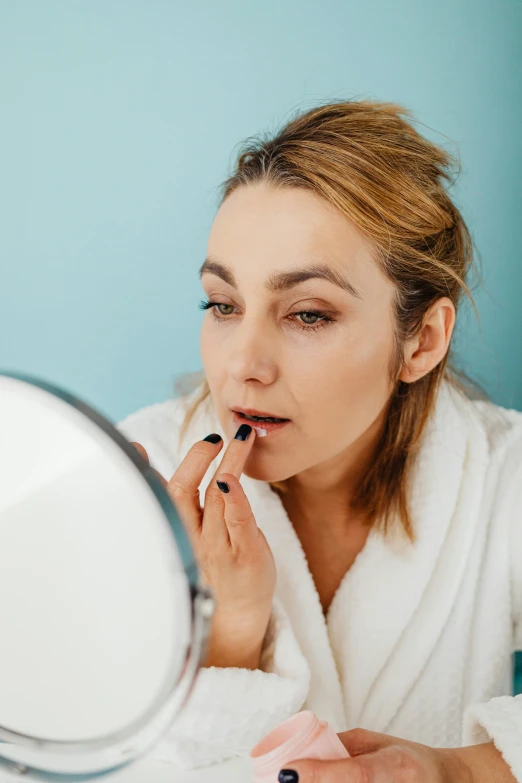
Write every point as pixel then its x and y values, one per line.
pixel 252 412
pixel 262 428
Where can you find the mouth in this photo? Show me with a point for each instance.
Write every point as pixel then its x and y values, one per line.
pixel 263 423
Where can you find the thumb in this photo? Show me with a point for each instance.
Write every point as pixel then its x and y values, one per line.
pixel 143 453
pixel 141 450
pixel 318 771
pixel 359 741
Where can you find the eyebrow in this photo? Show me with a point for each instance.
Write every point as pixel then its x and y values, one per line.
pixel 282 281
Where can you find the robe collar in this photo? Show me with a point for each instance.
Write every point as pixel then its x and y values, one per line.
pixel 394 601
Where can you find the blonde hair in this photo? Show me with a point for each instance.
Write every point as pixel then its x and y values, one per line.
pixel 365 159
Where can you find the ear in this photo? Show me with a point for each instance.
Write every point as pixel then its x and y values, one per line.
pixel 424 351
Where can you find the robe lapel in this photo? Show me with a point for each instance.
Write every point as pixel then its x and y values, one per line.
pixel 298 594
pixel 394 602
pixel 295 587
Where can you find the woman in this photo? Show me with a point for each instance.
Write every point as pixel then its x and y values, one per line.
pixel 365 564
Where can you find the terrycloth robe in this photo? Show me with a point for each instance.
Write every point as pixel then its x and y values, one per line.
pixel 418 639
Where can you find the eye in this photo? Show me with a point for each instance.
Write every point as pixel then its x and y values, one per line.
pixel 309 314
pixel 215 305
pixel 306 326
pixel 208 305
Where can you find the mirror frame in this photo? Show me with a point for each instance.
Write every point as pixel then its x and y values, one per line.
pixel 89 756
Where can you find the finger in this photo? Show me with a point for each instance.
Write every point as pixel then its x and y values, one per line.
pixel 239 518
pixel 357 741
pixel 394 763
pixel 141 450
pixel 214 528
pixel 236 453
pixel 183 486
pixel 337 771
pixel 143 453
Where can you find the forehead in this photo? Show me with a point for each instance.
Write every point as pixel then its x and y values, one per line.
pixel 260 229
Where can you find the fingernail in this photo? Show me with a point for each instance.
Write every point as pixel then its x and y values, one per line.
pixel 243 432
pixel 213 437
pixel 288 776
pixel 223 486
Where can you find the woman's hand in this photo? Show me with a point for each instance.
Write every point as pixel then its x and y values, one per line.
pixel 231 551
pixel 380 758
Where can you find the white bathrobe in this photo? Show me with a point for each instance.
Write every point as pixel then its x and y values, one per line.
pixel 418 640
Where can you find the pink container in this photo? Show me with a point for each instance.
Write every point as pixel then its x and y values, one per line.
pixel 303 736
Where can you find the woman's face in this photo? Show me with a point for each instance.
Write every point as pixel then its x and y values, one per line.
pixel 329 377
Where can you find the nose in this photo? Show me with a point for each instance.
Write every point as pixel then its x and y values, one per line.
pixel 252 353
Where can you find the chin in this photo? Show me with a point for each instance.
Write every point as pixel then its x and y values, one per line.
pixel 259 474
pixel 263 470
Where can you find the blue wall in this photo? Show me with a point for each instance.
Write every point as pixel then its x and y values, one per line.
pixel 119 119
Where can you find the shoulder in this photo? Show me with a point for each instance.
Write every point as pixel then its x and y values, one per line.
pixel 456 407
pixel 502 426
pixel 158 427
pixel 502 432
pixel 492 430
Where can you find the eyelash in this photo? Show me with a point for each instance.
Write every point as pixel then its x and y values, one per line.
pixel 208 304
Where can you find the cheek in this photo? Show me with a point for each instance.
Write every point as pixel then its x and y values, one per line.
pixel 353 358
pixel 209 350
pixel 348 379
pixel 214 366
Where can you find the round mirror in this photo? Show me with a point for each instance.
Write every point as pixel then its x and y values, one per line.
pixel 102 619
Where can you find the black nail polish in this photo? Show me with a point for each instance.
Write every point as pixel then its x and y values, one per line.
pixel 223 486
pixel 288 776
pixel 243 432
pixel 213 437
